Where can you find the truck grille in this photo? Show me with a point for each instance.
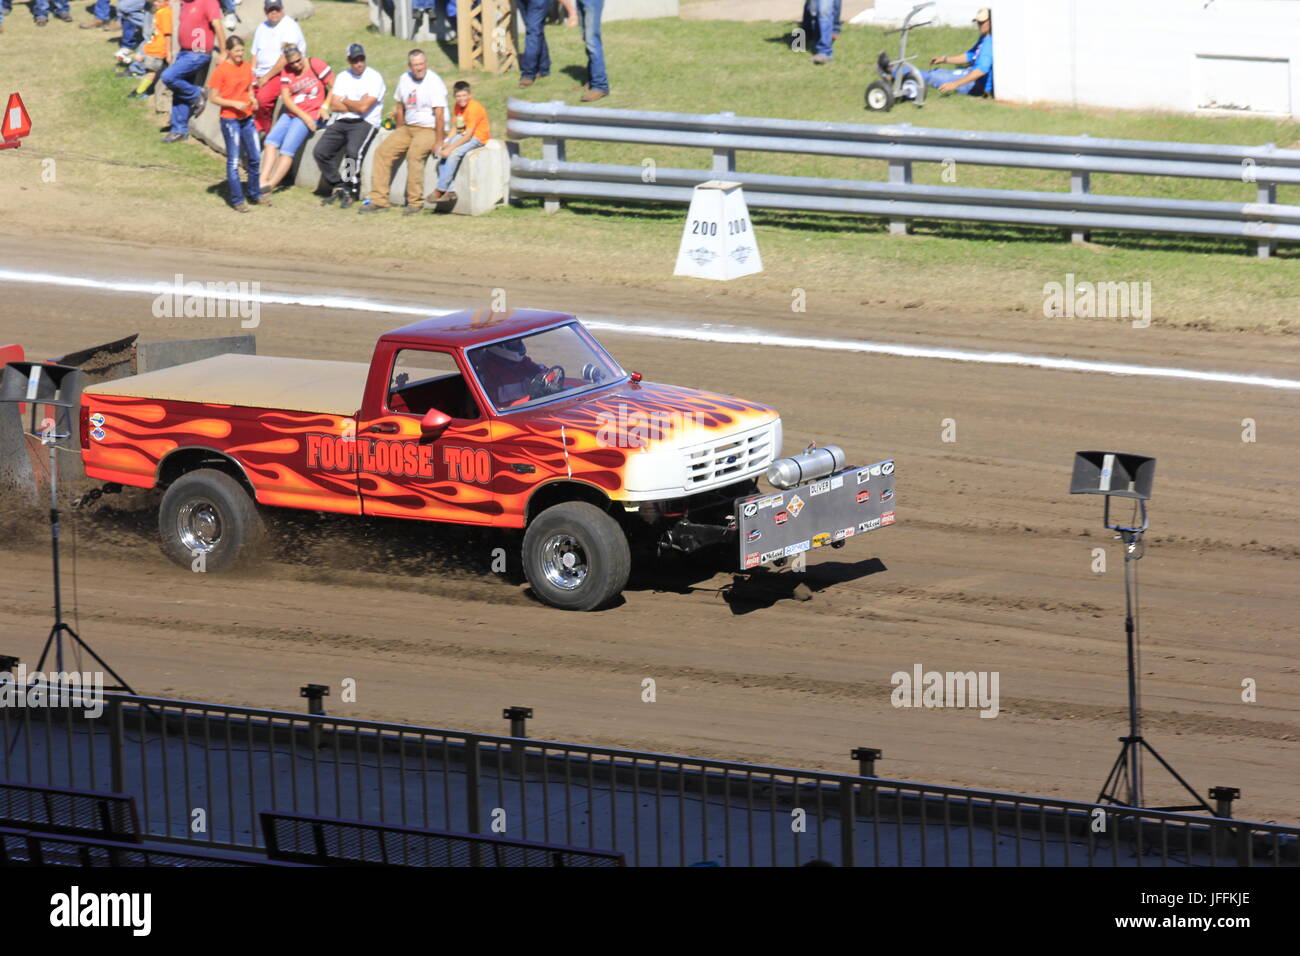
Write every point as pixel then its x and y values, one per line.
pixel 733 458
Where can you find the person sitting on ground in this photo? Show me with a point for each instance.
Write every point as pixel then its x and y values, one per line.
pixel 472 131
pixel 977 77
pixel 154 56
pixel 420 117
pixel 231 86
pixel 267 49
pixel 303 88
pixel 357 104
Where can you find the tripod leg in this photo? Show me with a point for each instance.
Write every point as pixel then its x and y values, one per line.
pixel 102 663
pixel 1113 779
pixel 1176 775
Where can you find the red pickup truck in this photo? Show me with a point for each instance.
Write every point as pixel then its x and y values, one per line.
pixel 516 420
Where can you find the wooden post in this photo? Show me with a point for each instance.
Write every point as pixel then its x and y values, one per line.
pixel 487 36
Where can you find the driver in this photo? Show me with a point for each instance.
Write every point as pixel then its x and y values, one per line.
pixel 504 369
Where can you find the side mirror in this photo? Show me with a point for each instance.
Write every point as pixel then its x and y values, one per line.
pixel 434 422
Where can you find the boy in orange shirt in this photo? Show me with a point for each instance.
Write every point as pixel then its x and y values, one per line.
pixel 472 131
pixel 230 84
pixel 156 52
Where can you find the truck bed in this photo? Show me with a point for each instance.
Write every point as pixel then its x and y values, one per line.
pixel 251 381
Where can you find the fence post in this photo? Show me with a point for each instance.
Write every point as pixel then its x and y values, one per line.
pixel 724 160
pixel 848 824
pixel 1265 194
pixel 403 20
pixel 518 717
pixel 900 171
pixel 116 740
pixel 1080 185
pixel 552 152
pixel 473 773
pixel 866 758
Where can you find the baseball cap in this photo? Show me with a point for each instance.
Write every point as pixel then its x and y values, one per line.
pixel 356 52
pixel 982 15
pixel 270 5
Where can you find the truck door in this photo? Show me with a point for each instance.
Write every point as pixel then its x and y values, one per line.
pixel 403 471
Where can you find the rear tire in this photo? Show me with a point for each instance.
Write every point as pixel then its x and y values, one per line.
pixel 879 97
pixel 576 556
pixel 208 514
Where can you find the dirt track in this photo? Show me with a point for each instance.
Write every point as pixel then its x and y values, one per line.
pixel 989 568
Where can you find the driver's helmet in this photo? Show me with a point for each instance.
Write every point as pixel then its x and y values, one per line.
pixel 512 351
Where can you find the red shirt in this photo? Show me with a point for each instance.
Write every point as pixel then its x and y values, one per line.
pixel 308 88
pixel 196 32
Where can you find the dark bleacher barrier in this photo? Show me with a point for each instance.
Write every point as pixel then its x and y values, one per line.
pixel 111 816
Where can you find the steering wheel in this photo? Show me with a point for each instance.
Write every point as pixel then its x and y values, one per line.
pixel 548 382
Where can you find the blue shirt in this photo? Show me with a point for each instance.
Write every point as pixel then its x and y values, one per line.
pixel 980 56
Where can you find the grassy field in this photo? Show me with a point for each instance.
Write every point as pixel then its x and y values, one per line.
pixel 94 165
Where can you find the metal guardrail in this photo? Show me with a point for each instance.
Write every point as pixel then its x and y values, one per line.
pixel 901 145
pixel 183 761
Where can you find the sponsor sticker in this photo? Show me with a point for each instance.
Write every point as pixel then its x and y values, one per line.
pixel 864 476
pixel 796 506
pixel 887 518
pixel 887 494
pixel 772 555
pixel 887 468
pixel 750 509
pixel 875 471
pixel 818 488
pixel 798 548
pixel 751 560
pixel 869 525
pixel 781 517
pixel 98 434
pixel 864 496
pixel 821 540
pixel 848 532
pixel 97 419
pixel 840 535
pixel 837 481
pixel 753 535
pixel 772 501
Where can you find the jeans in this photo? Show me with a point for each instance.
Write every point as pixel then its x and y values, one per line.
pixel 41 8
pixel 103 10
pixel 589 12
pixel 132 14
pixel 241 140
pixel 536 58
pixel 939 77
pixel 820 20
pixel 179 78
pixel 6 6
pixel 447 168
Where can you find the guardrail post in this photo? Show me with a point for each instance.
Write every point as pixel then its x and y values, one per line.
pixel 1265 194
pixel 900 171
pixel 552 152
pixel 724 160
pixel 1080 184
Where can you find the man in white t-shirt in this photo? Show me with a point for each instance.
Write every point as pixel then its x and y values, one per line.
pixel 421 110
pixel 270 38
pixel 357 104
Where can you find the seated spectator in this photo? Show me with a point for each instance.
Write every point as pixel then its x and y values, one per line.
pixel 202 37
pixel 303 88
pixel 977 77
pixel 270 38
pixel 357 104
pixel 154 56
pixel 420 117
pixel 132 14
pixel 231 86
pixel 472 131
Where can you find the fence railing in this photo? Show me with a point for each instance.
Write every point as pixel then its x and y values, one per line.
pixel 202 774
pixel 900 145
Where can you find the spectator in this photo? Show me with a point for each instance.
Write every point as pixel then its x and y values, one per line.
pixel 357 104
pixel 201 33
pixel 976 78
pixel 304 85
pixel 154 55
pixel 103 14
pixel 472 131
pixel 270 38
pixel 231 85
pixel 132 14
pixel 6 6
pixel 821 23
pixel 597 85
pixel 41 11
pixel 420 117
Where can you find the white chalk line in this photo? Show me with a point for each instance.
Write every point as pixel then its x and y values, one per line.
pixel 698 334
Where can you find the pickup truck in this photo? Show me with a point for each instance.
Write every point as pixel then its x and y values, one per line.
pixel 512 420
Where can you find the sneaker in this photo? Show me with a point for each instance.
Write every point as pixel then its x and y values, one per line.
pixel 330 199
pixel 242 207
pixel 436 196
pixel 820 58
pixel 42 21
pixel 133 95
pixel 368 206
pixel 591 95
pixel 176 137
pixel 261 201
pixel 65 17
pixel 411 210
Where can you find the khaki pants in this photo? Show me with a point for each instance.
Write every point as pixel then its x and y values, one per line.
pixel 417 143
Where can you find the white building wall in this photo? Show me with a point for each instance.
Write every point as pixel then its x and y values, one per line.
pixel 1208 56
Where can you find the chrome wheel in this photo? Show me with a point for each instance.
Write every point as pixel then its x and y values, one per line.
pixel 199 524
pixel 564 561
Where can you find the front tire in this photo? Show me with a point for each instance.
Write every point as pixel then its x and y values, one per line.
pixel 208 522
pixel 576 556
pixel 879 97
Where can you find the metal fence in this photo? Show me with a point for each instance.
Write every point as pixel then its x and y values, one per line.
pixel 553 178
pixel 202 773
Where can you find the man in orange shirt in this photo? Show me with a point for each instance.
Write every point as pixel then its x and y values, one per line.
pixel 472 131
pixel 231 87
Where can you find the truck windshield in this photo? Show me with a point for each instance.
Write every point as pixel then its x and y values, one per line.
pixel 536 367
